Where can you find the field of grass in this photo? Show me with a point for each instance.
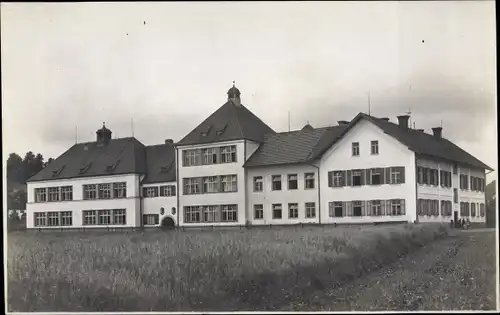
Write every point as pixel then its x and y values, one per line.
pixel 249 269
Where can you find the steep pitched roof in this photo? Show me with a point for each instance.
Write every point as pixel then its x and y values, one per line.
pixel 229 122
pixel 292 147
pixel 119 156
pixel 160 160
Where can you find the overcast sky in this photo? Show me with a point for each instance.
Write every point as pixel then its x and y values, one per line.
pixel 169 65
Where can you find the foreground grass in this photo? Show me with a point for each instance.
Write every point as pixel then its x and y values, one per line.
pixel 196 270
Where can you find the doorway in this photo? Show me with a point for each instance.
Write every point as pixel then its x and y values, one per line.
pixel 167 223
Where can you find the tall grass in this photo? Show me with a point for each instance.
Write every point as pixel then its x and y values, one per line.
pixel 196 270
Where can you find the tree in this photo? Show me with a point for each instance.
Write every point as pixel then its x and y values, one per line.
pixel 15 168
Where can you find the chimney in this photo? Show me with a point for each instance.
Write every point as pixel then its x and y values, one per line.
pixel 385 118
pixel 403 121
pixel 343 122
pixel 169 141
pixel 437 131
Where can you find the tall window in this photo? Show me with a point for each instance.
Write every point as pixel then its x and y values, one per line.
pixel 374 146
pixel 209 156
pixel 397 207
pixel 376 176
pixel 336 209
pixel 228 154
pixel 258 211
pixel 310 210
pixel 89 217
pixel 395 175
pixel 119 217
pixel 210 184
pixel 376 208
pixel 229 183
pixel 66 218
pixel 355 149
pixel 211 213
pixel 151 219
pixel 338 179
pixel 292 181
pixel 276 179
pixel 67 193
pixel 293 210
pixel 357 207
pixel 357 177
pixel 258 184
pixel 89 192
pixel 229 213
pixel 481 209
pixel 190 157
pixel 53 193
pixel 104 217
pixel 167 191
pixel 277 211
pixel 40 218
pixel 309 180
pixel 40 194
pixel 53 218
pixel 192 214
pixel 472 209
pixel 120 190
pixel 104 191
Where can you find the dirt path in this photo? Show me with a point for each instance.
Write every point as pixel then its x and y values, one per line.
pixel 457 273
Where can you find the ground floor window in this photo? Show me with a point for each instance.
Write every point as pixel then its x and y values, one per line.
pixel 53 218
pixel 277 211
pixel 293 210
pixel 336 209
pixel 104 217
pixel 119 217
pixel 151 219
pixel 375 207
pixel 210 213
pixel 357 208
pixel 310 210
pixel 40 218
pixel 229 213
pixel 258 211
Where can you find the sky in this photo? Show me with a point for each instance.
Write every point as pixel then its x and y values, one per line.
pixel 156 70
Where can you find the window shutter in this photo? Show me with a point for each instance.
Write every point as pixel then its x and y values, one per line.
pixel 344 208
pixel 402 172
pixel 342 178
pixel 363 175
pixel 403 207
pixel 387 175
pixel 363 208
pixel 348 181
pixel 368 210
pixel 330 179
pixel 368 176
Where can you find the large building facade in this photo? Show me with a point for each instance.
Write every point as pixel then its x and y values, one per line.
pixel 233 169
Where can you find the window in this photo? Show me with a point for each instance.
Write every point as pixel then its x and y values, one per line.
pixel 229 183
pixel 150 219
pixel 89 192
pixel 119 217
pixel 309 180
pixel 420 174
pixel 276 211
pixel 374 146
pixel 192 214
pixel 150 192
pixel 467 209
pixel 66 218
pixel 104 217
pixel 120 190
pixel 357 177
pixel 293 210
pixel 357 207
pixel 425 175
pixel 336 209
pixel 338 178
pixel 66 193
pixel 258 211
pixel 376 208
pixel 209 156
pixel 472 209
pixel 375 176
pixel 53 218
pixel 481 207
pixel 397 207
pixel 210 184
pixel 355 149
pixel 40 194
pixel 192 186
pixel 310 210
pixel 53 194
pixel 40 218
pixel 292 181
pixel 191 157
pixel 463 181
pixel 210 214
pixel 229 213
pixel 397 175
pixel 228 154
pixel 455 195
pixel 89 217
pixel 167 191
pixel 258 184
pixel 276 182
pixel 104 191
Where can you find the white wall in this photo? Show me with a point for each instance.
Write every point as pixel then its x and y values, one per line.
pixel 237 198
pixel 77 205
pixel 153 205
pixel 268 197
pixel 391 153
pixel 470 196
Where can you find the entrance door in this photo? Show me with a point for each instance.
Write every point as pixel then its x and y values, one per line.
pixel 455 218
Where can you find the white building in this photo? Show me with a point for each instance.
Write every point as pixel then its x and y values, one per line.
pixel 233 169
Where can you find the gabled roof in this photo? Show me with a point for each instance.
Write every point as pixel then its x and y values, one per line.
pixel 119 156
pixel 229 122
pixel 160 160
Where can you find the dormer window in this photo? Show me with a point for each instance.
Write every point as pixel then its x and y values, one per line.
pixel 165 169
pixel 111 168
pixel 57 172
pixel 84 169
pixel 205 133
pixel 220 131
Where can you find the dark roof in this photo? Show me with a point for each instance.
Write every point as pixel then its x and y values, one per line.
pixel 229 122
pixel 292 147
pixel 119 156
pixel 160 161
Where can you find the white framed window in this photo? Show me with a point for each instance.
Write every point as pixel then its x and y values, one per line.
pixel 104 217
pixel 376 208
pixel 119 217
pixel 67 193
pixel 53 194
pixel 191 157
pixel 335 209
pixel 210 184
pixel 374 147
pixel 229 213
pixel 258 212
pixel 357 208
pixel 292 182
pixel 90 192
pixel 395 175
pixel 89 217
pixel 310 209
pixel 293 210
pixel 209 156
pixel 376 176
pixel 229 183
pixel 120 190
pixel 192 214
pixel 53 218
pixel 309 180
pixel 210 213
pixel 40 194
pixel 151 219
pixel 167 191
pixel 397 207
pixel 277 211
pixel 40 218
pixel 66 218
pixel 338 179
pixel 355 149
pixel 104 191
pixel 228 154
pixel 150 192
pixel 276 180
pixel 258 184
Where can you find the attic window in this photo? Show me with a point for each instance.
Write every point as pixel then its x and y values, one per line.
pixel 205 133
pixel 111 168
pixel 84 169
pixel 165 169
pixel 57 172
pixel 221 130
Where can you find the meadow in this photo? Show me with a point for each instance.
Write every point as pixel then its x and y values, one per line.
pixel 220 269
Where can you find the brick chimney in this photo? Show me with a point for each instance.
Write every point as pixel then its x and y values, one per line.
pixel 403 121
pixel 437 131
